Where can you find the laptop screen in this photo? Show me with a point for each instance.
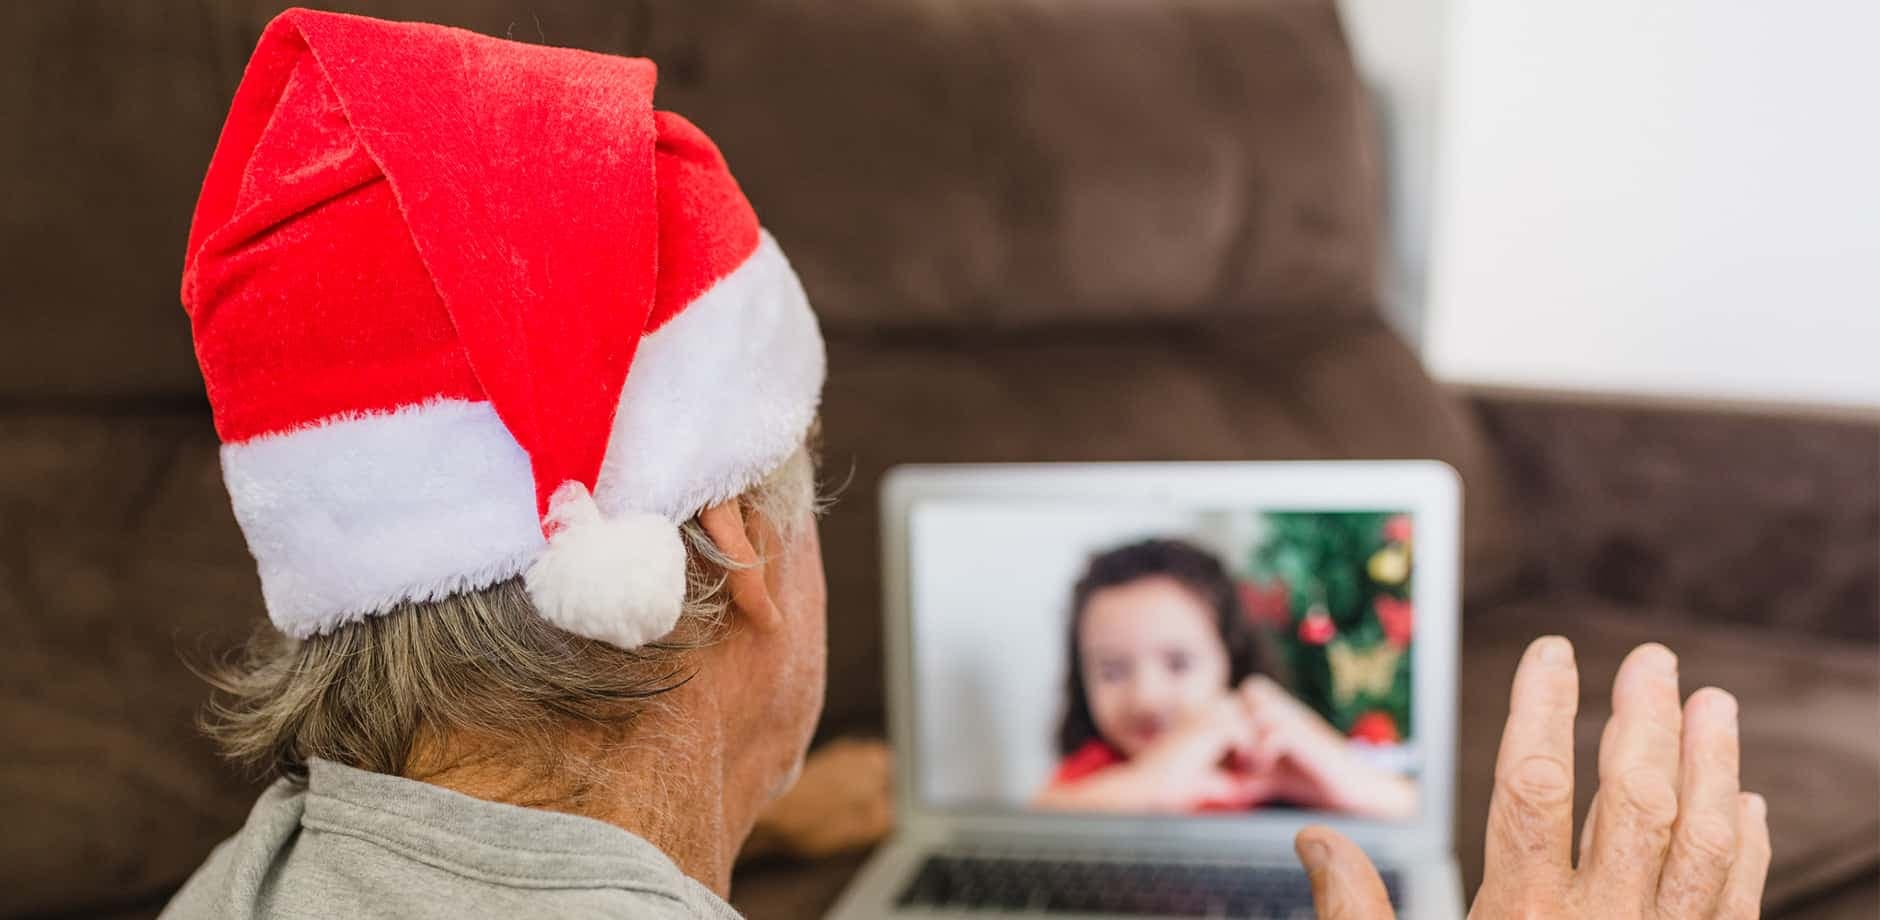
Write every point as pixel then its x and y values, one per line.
pixel 1161 660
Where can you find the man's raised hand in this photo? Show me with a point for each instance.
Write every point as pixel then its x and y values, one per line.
pixel 1671 835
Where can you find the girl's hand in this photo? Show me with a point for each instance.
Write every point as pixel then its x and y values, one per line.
pixel 1308 763
pixel 1193 764
pixel 1190 764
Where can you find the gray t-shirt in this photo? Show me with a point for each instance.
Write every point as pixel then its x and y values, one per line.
pixel 357 844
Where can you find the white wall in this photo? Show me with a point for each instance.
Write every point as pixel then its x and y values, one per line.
pixel 1400 46
pixel 1679 197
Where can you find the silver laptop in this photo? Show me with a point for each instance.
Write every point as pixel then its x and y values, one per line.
pixel 1118 690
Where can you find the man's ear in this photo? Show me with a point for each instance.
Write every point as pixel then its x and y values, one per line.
pixel 728 527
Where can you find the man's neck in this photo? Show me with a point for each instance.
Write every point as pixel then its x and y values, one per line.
pixel 667 785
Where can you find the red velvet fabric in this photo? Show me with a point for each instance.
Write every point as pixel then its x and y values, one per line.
pixel 706 227
pixel 401 212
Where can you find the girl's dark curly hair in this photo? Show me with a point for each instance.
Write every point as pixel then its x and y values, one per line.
pixel 1195 569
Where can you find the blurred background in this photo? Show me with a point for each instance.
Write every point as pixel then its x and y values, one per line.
pixel 1617 263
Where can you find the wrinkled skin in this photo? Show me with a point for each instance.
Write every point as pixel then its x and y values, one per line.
pixel 1671 835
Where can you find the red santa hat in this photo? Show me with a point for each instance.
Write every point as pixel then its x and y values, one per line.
pixel 469 309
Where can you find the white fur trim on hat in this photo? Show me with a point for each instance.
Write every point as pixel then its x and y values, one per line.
pixel 351 517
pixel 719 396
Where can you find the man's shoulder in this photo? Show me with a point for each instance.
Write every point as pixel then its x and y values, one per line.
pixel 229 883
pixel 292 860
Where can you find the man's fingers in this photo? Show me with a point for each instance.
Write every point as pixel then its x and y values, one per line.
pixel 1530 816
pixel 1638 778
pixel 1345 886
pixel 1589 830
pixel 1704 839
pixel 1742 894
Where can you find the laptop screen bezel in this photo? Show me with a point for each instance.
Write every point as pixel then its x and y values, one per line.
pixel 1429 490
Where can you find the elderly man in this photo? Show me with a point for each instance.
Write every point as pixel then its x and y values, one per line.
pixel 516 400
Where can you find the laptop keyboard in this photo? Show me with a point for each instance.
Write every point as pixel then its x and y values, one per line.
pixel 1052 886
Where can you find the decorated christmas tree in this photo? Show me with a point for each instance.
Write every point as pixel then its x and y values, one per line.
pixel 1335 588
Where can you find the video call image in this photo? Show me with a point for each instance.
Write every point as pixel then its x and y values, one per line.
pixel 1163 661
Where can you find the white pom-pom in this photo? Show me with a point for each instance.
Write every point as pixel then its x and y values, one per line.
pixel 619 580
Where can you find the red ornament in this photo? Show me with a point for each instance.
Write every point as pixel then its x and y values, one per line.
pixel 1397 618
pixel 1397 529
pixel 1375 727
pixel 1317 628
pixel 1265 604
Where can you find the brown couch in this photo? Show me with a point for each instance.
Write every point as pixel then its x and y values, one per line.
pixel 1035 230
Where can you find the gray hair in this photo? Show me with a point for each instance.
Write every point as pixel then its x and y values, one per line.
pixel 386 693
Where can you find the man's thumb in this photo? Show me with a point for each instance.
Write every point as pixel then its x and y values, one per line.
pixel 1345 886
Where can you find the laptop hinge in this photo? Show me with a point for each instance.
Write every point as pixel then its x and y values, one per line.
pixel 1103 845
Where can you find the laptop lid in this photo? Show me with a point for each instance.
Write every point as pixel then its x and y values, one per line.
pixel 1057 634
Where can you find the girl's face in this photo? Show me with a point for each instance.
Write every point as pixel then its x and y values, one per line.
pixel 1151 654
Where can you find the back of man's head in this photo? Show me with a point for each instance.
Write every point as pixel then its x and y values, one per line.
pixel 482 674
pixel 484 335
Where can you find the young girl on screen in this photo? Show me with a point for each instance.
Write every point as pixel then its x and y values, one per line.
pixel 1170 708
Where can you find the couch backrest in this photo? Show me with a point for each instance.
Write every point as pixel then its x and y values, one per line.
pixel 925 162
pixel 1011 163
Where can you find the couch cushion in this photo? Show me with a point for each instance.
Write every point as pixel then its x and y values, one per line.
pixel 1810 730
pixel 1750 517
pixel 119 560
pixel 1273 390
